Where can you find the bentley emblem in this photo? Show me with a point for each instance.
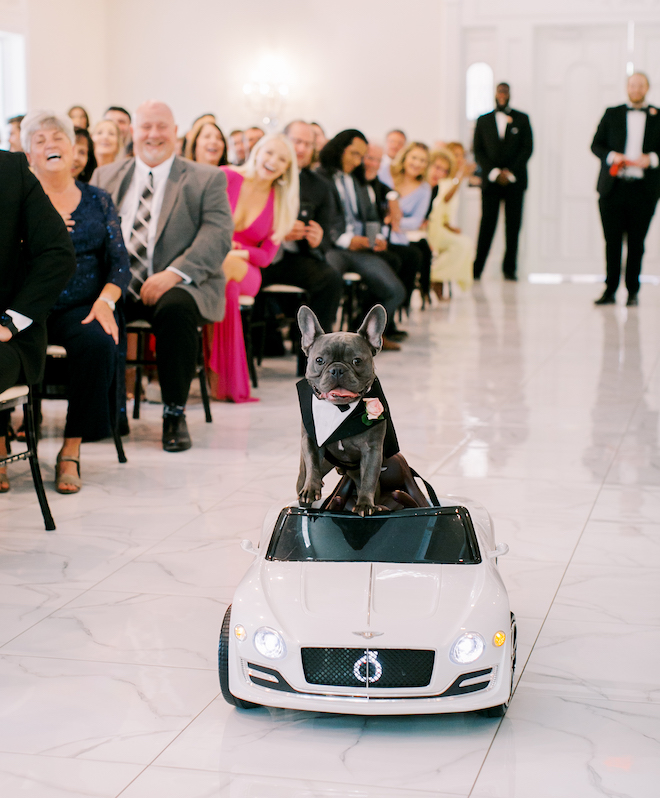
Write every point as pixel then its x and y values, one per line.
pixel 373 670
pixel 368 635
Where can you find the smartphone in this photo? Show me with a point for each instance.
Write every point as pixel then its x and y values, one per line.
pixel 306 213
pixel 371 231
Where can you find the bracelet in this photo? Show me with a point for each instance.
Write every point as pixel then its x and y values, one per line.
pixel 110 302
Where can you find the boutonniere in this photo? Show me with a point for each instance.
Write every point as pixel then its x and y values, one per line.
pixel 374 411
pixel 653 111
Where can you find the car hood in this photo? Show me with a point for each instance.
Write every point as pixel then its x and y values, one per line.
pixel 333 601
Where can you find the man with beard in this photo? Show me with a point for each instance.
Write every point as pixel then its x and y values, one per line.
pixel 502 146
pixel 628 144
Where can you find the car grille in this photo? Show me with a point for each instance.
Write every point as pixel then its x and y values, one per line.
pixel 368 668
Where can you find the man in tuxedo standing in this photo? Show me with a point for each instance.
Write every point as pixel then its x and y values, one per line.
pixel 177 225
pixel 502 146
pixel 628 144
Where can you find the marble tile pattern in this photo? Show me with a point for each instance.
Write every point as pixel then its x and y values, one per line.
pixel 524 397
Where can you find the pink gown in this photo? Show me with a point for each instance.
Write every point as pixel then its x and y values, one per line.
pixel 227 358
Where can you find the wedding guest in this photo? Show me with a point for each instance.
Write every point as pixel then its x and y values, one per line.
pixel 239 151
pixel 453 251
pixel 394 141
pixel 181 209
pixel 84 160
pixel 36 260
pixel 108 142
pixel 121 117
pixel 84 319
pixel 79 117
pixel 206 144
pixel 341 165
pixel 15 133
pixel 320 139
pixel 252 136
pixel 263 195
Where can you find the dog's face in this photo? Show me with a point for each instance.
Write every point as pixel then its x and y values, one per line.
pixel 340 366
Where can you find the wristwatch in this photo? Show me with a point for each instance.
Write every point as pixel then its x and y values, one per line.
pixel 110 302
pixel 392 195
pixel 7 321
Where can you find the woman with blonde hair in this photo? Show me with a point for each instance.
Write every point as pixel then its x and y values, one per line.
pixel 453 252
pixel 263 194
pixel 108 142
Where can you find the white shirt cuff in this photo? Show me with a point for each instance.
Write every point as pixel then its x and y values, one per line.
pixel 183 276
pixel 494 174
pixel 21 322
pixel 344 240
pixel 610 158
pixel 654 160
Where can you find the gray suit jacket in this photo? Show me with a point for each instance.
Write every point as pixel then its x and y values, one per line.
pixel 194 227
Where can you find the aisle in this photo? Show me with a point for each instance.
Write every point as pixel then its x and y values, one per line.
pixel 524 397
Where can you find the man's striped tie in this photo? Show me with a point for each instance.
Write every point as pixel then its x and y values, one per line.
pixel 137 243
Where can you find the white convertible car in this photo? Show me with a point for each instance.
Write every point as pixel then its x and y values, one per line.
pixel 397 613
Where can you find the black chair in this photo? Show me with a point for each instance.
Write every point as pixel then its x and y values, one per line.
pixel 143 330
pixel 9 399
pixel 350 304
pixel 281 302
pixel 250 328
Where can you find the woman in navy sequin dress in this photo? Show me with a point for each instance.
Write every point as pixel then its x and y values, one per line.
pixel 84 320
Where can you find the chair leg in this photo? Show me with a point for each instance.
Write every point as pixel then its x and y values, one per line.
pixel 201 373
pixel 31 439
pixel 121 456
pixel 246 320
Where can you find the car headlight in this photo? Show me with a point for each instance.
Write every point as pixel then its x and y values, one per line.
pixel 269 643
pixel 468 648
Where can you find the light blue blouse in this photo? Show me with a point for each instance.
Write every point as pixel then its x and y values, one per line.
pixel 414 207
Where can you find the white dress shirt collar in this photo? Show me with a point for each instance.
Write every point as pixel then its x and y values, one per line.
pixel 327 417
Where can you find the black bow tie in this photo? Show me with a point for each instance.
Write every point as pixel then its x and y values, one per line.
pixel 644 110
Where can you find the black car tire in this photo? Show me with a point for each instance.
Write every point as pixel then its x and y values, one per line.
pixel 500 710
pixel 223 666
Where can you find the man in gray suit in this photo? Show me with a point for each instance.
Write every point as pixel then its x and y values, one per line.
pixel 177 226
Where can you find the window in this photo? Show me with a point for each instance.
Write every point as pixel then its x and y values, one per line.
pixel 479 90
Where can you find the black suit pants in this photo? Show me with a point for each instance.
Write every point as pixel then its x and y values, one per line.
pixel 175 319
pixel 323 283
pixel 491 199
pixel 627 211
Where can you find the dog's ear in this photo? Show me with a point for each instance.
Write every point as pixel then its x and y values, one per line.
pixel 310 328
pixel 373 327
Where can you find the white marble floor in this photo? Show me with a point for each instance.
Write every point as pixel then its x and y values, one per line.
pixel 525 397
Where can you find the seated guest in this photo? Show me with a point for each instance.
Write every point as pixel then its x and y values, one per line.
pixel 301 259
pixel 206 144
pixel 36 260
pixel 394 141
pixel 239 150
pixel 108 142
pixel 122 119
pixel 252 136
pixel 84 160
pixel 176 222
pixel 453 252
pixel 15 133
pixel 320 140
pixel 264 200
pixel 79 117
pixel 341 165
pixel 84 319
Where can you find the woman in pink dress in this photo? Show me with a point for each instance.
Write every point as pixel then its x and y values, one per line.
pixel 263 195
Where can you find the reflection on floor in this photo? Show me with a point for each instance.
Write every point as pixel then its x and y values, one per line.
pixel 525 397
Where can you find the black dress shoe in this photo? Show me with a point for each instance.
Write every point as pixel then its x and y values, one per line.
pixel 176 437
pixel 606 299
pixel 632 301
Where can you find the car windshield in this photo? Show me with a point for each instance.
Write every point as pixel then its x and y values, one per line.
pixel 442 536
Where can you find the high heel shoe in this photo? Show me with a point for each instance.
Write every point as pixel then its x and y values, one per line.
pixel 67 479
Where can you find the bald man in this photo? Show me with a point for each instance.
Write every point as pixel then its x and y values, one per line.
pixel 177 225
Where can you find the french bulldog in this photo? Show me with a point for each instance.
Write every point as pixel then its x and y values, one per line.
pixel 346 420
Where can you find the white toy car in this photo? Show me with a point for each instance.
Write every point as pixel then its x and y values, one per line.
pixel 401 612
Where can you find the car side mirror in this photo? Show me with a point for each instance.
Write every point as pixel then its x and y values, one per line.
pixel 247 545
pixel 499 551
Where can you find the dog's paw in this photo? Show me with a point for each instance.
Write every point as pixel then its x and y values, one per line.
pixel 364 508
pixel 309 495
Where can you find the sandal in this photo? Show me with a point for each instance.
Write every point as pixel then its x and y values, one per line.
pixel 67 479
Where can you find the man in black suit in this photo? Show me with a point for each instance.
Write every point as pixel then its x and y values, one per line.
pixel 36 261
pixel 628 144
pixel 502 146
pixel 301 258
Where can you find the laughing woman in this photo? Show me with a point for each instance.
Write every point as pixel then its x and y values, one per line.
pixel 263 195
pixel 84 320
pixel 207 144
